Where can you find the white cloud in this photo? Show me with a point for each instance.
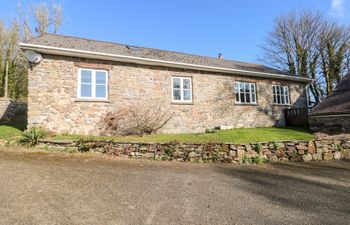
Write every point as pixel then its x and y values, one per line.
pixel 337 8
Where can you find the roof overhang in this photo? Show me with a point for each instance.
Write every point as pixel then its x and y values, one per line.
pixel 155 62
pixel 330 114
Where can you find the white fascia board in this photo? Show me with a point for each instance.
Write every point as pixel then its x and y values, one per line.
pixel 154 62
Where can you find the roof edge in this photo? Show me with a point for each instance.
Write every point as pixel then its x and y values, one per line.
pixel 155 62
pixel 329 114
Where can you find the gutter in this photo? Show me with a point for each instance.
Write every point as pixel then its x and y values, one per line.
pixel 155 62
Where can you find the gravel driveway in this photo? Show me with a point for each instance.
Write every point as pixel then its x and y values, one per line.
pixel 56 188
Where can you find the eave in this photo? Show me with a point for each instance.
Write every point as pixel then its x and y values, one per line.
pixel 154 62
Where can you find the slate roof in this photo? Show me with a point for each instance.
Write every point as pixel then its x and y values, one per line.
pixel 61 41
pixel 338 102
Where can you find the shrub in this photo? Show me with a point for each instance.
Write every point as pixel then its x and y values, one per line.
pixel 259 160
pixel 135 120
pixel 32 136
pixel 168 154
pixel 258 148
pixel 246 159
pixel 338 147
pixel 85 144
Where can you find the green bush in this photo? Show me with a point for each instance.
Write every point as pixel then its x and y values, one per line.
pixel 32 136
pixel 258 148
pixel 246 159
pixel 338 147
pixel 259 160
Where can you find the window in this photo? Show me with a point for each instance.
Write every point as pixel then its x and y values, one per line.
pixel 280 95
pixel 245 92
pixel 182 89
pixel 92 84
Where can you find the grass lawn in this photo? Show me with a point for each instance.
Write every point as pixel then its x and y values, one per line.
pixel 11 131
pixel 239 136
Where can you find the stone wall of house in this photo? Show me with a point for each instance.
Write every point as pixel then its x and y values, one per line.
pixel 330 124
pixel 53 97
pixel 211 152
pixel 12 111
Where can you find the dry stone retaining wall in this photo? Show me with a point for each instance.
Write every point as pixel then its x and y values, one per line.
pixel 210 152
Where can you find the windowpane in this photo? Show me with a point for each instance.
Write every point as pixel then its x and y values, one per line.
pixel 245 92
pixel 86 76
pixel 247 97
pixel 86 90
pixel 252 87
pixel 280 94
pixel 237 97
pixel 237 92
pixel 101 77
pixel 182 89
pixel 100 91
pixel 187 83
pixel 287 95
pixel 242 97
pixel 253 97
pixel 241 87
pixel 93 84
pixel 176 94
pixel 187 95
pixel 176 83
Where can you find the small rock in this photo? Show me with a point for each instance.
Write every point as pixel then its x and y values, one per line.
pixel 192 155
pixel 149 155
pixel 273 158
pixel 346 154
pixel 232 153
pixel 307 157
pixel 240 153
pixel 327 155
pixel 301 147
pixel 337 155
pixel 233 147
pixel 301 152
pixel 311 147
pixel 317 156
pixel 248 147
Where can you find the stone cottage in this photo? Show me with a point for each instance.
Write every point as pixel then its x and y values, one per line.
pixel 333 114
pixel 78 81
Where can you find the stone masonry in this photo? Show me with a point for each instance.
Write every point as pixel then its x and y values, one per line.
pixel 215 152
pixel 53 104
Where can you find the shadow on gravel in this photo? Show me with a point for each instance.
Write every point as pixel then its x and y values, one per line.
pixel 322 189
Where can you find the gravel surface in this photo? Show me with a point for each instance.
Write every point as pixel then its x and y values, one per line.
pixel 56 188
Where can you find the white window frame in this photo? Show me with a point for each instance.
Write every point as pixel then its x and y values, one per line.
pixel 93 84
pixel 181 100
pixel 238 91
pixel 283 95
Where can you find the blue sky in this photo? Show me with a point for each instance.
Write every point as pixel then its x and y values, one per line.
pixel 204 27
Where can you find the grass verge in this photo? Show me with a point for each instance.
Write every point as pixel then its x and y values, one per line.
pixel 241 136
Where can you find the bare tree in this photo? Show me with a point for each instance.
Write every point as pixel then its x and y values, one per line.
pixel 298 44
pixel 47 18
pixel 42 18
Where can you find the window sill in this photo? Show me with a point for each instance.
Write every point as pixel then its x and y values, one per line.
pixel 247 104
pixel 182 103
pixel 281 105
pixel 92 100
